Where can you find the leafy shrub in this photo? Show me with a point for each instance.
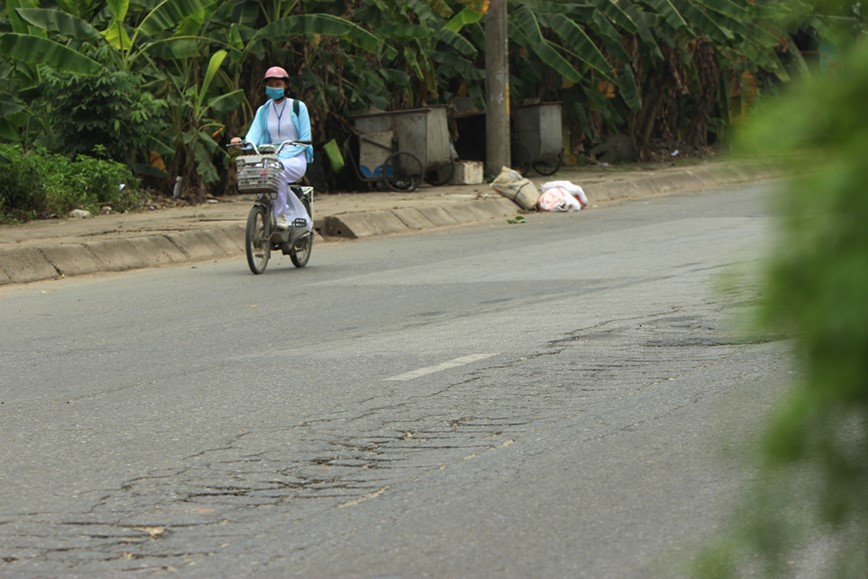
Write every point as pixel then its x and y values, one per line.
pixel 22 192
pixel 107 116
pixel 88 183
pixel 38 184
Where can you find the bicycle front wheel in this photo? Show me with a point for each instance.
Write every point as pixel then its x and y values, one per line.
pixel 257 239
pixel 403 171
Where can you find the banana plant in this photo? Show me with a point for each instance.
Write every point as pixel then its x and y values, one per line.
pixel 24 49
pixel 166 22
pixel 322 42
pixel 166 37
pixel 644 67
pixel 641 66
pixel 34 49
pixel 318 45
pixel 170 42
pixel 194 113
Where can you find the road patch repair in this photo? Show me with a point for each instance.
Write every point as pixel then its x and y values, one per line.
pixel 54 249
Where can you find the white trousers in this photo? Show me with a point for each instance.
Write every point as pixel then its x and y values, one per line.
pixel 287 203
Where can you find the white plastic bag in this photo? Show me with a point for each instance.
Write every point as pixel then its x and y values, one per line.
pixel 562 196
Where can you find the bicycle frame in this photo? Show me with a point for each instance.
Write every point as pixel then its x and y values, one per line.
pixel 261 175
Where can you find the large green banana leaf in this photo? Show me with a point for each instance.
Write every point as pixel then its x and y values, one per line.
pixel 213 66
pixel 465 17
pixel 607 31
pixel 612 10
pixel 629 89
pixel 459 44
pixel 459 67
pixel 640 19
pixel 226 103
pixel 703 23
pixel 58 21
pixel 324 24
pixel 38 50
pixel 119 9
pixel 669 12
pixel 169 14
pixel 524 27
pixel 17 23
pixel 580 45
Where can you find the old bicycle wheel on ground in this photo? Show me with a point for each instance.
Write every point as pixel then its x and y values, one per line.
pixel 403 171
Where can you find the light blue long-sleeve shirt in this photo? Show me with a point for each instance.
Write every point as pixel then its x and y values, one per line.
pixel 258 132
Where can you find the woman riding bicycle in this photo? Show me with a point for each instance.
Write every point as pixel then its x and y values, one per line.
pixel 283 119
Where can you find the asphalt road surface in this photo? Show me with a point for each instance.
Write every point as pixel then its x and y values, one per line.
pixel 559 398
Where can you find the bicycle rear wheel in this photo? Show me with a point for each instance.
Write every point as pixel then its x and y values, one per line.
pixel 547 166
pixel 441 175
pixel 521 157
pixel 257 239
pixel 300 255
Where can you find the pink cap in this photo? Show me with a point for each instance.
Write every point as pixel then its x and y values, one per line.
pixel 276 72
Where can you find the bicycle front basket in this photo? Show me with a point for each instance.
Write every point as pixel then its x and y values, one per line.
pixel 258 173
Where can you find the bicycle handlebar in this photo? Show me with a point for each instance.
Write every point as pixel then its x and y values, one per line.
pixel 278 147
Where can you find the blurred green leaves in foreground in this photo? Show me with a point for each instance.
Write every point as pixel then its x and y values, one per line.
pixel 811 496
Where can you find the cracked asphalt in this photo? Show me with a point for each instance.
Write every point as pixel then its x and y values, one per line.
pixel 547 399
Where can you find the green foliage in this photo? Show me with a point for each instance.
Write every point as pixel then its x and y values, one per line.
pixel 651 69
pixel 815 453
pixel 110 111
pixel 37 184
pixel 22 191
pixel 88 183
pixel 29 48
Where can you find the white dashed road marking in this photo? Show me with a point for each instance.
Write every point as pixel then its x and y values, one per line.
pixel 462 361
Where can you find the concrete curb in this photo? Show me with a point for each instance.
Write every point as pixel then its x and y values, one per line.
pixel 364 224
pixel 687 179
pixel 29 264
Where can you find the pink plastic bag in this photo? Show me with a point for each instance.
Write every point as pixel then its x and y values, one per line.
pixel 562 196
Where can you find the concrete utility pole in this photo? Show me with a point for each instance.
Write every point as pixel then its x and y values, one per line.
pixel 496 88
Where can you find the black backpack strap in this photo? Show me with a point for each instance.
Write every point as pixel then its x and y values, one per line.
pixel 295 106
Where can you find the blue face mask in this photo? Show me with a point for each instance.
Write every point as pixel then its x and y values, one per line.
pixel 274 93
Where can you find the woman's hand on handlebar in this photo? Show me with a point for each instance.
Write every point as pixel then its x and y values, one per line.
pixel 239 143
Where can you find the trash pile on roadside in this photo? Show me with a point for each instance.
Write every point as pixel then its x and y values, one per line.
pixel 551 196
